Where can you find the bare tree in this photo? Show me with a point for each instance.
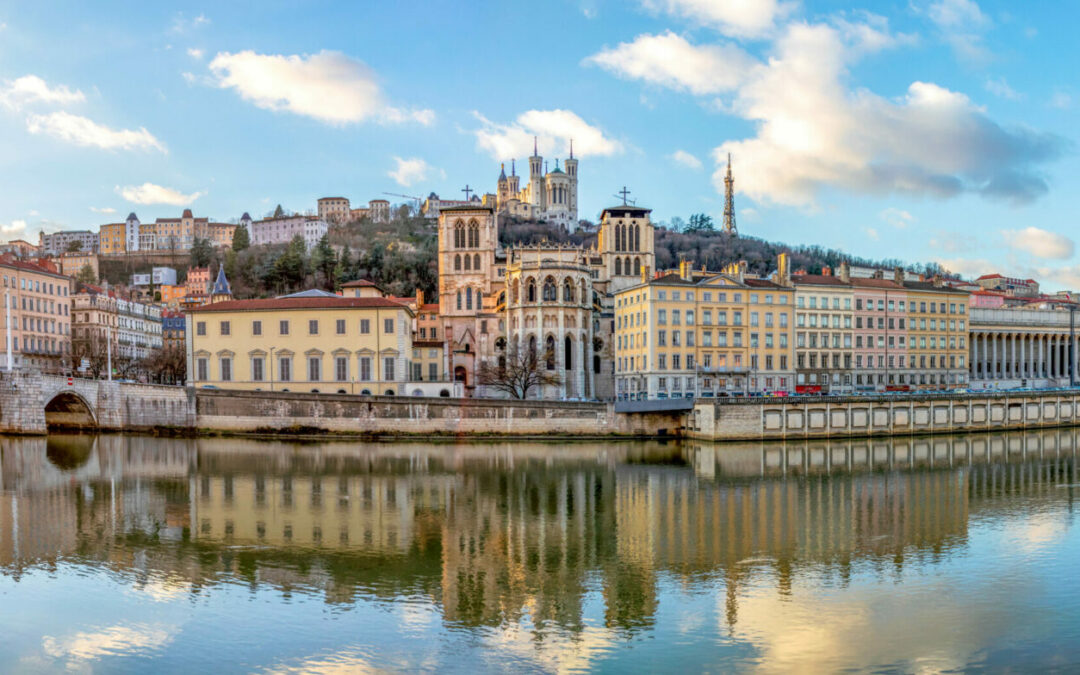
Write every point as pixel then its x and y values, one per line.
pixel 166 366
pixel 89 344
pixel 518 371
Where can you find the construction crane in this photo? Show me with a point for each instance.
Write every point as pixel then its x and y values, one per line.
pixel 418 200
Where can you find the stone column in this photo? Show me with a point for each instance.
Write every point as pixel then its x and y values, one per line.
pixel 1012 356
pixel 1039 362
pixel 1052 372
pixel 993 356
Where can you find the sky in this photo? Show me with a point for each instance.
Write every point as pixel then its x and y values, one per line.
pixel 924 130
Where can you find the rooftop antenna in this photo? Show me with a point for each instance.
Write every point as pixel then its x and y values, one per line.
pixel 729 201
pixel 622 195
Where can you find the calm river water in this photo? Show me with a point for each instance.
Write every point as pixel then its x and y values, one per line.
pixel 124 554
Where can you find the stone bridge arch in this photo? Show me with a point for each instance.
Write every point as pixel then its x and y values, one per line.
pixel 69 410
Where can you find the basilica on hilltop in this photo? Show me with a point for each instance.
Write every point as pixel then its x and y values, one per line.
pixel 551 196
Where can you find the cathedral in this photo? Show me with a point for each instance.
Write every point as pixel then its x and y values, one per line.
pixel 549 195
pixel 553 299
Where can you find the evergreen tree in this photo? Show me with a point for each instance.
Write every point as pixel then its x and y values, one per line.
pixel 241 239
pixel 292 267
pixel 346 265
pixel 324 261
pixel 279 212
pixel 202 253
pixel 86 275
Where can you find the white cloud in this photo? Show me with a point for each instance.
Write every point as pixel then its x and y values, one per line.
pixel 103 209
pixel 181 24
pixel 87 133
pixel 195 53
pixel 148 193
pixel 32 89
pixel 328 86
pixel 967 267
pixel 84 647
pixel 1001 89
pixel 15 227
pixel 1061 100
pixel 961 24
pixel 898 218
pixel 813 131
pixel 871 233
pixel 744 18
pixel 686 159
pixel 553 130
pixel 409 171
pixel 669 60
pixel 1040 243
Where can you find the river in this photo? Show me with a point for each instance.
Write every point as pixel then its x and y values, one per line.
pixel 136 554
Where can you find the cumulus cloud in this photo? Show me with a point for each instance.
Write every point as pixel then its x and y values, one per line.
pixel 32 89
pixel 409 171
pixel 103 209
pixel 686 159
pixel 149 193
pixel 87 133
pixel 669 60
pixel 744 18
pixel 328 86
pixel 898 218
pixel 195 53
pixel 1040 243
pixel 553 130
pixel 13 228
pixel 966 267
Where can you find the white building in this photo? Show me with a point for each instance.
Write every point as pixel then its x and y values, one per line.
pixel 56 243
pixel 161 276
pixel 282 230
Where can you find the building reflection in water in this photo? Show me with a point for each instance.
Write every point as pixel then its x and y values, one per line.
pixel 497 532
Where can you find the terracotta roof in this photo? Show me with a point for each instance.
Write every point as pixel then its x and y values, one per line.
pixel 761 283
pixel 876 283
pixel 7 260
pixel 428 343
pixel 818 280
pixel 429 307
pixel 359 283
pixel 298 303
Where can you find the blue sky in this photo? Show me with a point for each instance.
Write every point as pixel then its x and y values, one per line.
pixel 925 130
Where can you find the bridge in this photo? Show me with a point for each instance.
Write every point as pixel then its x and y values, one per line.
pixel 31 403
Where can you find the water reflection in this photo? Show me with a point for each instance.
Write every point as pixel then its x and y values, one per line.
pixel 530 538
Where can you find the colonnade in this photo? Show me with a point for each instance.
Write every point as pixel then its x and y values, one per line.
pixel 1014 355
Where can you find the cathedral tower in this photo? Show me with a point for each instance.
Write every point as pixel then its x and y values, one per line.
pixel 536 178
pixel 571 171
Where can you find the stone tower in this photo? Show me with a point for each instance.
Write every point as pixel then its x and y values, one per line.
pixel 571 165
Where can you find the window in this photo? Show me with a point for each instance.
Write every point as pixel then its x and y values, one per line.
pixel 202 370
pixel 285 369
pixel 388 368
pixel 226 369
pixel 257 369
pixel 313 326
pixel 314 369
pixel 365 369
pixel 433 371
pixel 226 329
pixel 283 327
pixel 388 325
pixel 341 368
pixel 340 323
pixel 200 328
pixel 256 327
pixel 365 327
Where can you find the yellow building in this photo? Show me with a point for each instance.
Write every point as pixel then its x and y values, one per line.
pixel 937 335
pixel 309 342
pixel 688 334
pixel 70 264
pixel 112 239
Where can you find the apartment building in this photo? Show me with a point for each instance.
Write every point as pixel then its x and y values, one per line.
pixel 100 316
pixel 937 335
pixel 39 301
pixel 282 230
pixel 58 242
pixel 70 264
pixel 311 341
pixel 824 321
pixel 688 334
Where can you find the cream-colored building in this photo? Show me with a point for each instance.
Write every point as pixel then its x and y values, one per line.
pixel 548 195
pixel 70 264
pixel 697 334
pixel 309 342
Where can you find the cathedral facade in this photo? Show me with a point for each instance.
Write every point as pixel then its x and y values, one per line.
pixel 551 196
pixel 554 299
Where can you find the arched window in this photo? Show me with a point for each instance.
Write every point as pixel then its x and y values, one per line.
pixel 568 292
pixel 479 299
pixel 532 347
pixel 457 263
pixel 637 237
pixel 568 351
pixel 637 265
pixel 626 264
pixel 618 237
pixel 515 292
pixel 476 261
pixel 474 234
pixel 549 352
pixel 468 262
pixel 459 300
pixel 459 235
pixel 550 294
pixel 468 298
pixel 530 295
pixel 618 265
pixel 584 293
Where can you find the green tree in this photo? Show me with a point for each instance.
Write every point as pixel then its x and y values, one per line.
pixel 202 253
pixel 700 222
pixel 241 239
pixel 74 246
pixel 346 265
pixel 279 212
pixel 291 268
pixel 324 261
pixel 86 275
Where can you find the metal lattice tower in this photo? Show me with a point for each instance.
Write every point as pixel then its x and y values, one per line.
pixel 729 201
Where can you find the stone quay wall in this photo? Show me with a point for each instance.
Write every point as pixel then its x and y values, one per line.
pixel 276 412
pixel 868 416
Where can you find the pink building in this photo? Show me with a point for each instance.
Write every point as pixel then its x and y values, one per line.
pixel 988 299
pixel 880 349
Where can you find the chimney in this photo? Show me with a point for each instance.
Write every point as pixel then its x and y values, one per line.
pixel 783 269
pixel 826 271
pixel 898 274
pixel 644 274
pixel 685 270
pixel 419 298
pixel 878 274
pixel 845 272
pixel 938 282
pixel 742 270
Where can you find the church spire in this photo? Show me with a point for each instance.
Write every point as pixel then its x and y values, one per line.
pixel 571 148
pixel 513 171
pixel 535 151
pixel 729 201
